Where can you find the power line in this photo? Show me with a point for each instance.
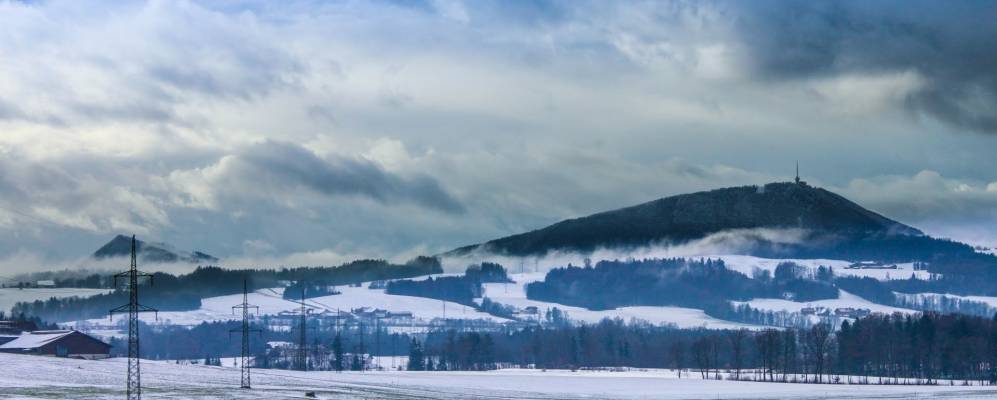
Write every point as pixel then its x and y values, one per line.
pixel 134 388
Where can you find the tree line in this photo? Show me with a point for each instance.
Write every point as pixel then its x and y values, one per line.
pixel 879 349
pixel 168 292
pixel 458 289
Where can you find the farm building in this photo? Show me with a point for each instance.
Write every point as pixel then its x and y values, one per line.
pixel 63 343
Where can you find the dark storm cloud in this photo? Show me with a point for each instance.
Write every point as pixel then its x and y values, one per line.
pixel 382 128
pixel 284 164
pixel 952 45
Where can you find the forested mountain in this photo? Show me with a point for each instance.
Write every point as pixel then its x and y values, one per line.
pixel 121 246
pixel 825 225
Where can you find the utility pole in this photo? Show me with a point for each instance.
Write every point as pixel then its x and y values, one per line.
pixel 134 388
pixel 245 306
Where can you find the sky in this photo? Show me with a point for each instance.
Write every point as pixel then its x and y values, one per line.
pixel 314 132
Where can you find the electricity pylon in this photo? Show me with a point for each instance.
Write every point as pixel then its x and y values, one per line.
pixel 301 359
pixel 134 390
pixel 245 329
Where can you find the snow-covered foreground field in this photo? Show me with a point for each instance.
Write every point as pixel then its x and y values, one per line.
pixel 11 296
pixel 29 377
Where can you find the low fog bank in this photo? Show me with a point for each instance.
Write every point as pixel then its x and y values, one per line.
pixel 737 241
pixel 20 267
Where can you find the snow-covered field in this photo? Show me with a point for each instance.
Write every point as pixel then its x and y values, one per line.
pixel 29 377
pixel 11 296
pixel 747 264
pixel 514 294
pixel 844 300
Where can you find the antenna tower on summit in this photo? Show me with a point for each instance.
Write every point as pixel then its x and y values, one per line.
pixel 798 180
pixel 134 389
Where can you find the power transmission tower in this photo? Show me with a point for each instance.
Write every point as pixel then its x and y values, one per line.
pixel 301 359
pixel 134 390
pixel 245 306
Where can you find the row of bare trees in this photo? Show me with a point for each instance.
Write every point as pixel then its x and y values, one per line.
pixel 879 349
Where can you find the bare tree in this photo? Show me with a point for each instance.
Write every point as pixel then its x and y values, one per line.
pixel 788 345
pixel 701 354
pixel 815 344
pixel 737 350
pixel 678 356
pixel 714 342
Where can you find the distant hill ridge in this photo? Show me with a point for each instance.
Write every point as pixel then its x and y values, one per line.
pixel 121 246
pixel 693 216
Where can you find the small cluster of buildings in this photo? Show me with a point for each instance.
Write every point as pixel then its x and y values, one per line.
pixel 366 315
pixel 23 337
pixel 871 265
pixel 840 312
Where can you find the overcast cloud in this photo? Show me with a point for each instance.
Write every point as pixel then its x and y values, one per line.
pixel 321 131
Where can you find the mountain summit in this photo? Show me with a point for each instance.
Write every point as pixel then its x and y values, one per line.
pixel 121 246
pixel 686 217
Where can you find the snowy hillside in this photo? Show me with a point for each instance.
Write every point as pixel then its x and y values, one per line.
pixel 514 294
pixel 271 302
pixel 30 378
pixel 748 264
pixel 844 300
